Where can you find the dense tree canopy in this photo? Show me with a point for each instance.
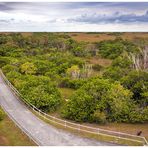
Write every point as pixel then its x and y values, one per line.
pixel 41 64
pixel 100 101
pixel 137 82
pixel 28 68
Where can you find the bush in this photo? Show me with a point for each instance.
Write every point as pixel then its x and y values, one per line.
pixel 2 114
pixel 99 117
pixel 122 62
pixel 42 92
pixel 115 73
pixel 75 84
pixel 118 103
pixel 137 82
pixel 8 68
pixel 97 67
pixel 79 107
pixel 13 76
pixel 44 98
pixel 42 66
pixel 119 68
pixel 4 61
pixel 139 115
pixel 28 68
pixel 111 49
pixel 99 101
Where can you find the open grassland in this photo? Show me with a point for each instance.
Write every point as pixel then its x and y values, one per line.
pixel 12 135
pixel 97 37
pixel 132 36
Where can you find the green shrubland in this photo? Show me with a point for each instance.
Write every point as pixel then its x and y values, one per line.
pixel 40 64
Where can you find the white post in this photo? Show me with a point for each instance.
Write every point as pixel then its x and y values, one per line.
pixel 79 127
pixel 39 112
pixel 145 141
pixel 44 115
pixel 98 131
pixel 65 123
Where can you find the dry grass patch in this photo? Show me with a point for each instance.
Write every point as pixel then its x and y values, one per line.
pixel 96 37
pixel 100 61
pixel 11 135
pixel 124 127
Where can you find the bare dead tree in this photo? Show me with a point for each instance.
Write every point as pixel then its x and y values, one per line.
pixel 140 60
pixel 145 57
pixel 87 68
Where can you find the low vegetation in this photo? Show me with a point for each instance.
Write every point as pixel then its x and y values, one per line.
pixel 1 115
pixel 10 133
pixel 52 71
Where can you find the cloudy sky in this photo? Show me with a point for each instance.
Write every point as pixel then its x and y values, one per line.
pixel 73 16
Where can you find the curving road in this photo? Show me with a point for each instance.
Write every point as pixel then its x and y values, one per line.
pixel 42 133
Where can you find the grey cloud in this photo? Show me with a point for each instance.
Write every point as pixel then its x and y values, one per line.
pixel 8 21
pixel 4 21
pixel 116 17
pixel 4 7
pixel 37 6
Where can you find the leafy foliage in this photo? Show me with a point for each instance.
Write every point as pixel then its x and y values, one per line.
pixel 38 90
pixel 118 69
pixel 111 49
pixel 97 67
pixel 99 101
pixel 137 82
pixel 1 114
pixel 38 63
pixel 28 68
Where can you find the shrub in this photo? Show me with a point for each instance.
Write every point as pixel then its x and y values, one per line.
pixel 42 92
pixel 97 67
pixel 79 107
pixel 4 61
pixel 45 98
pixel 13 76
pixel 111 49
pixel 99 101
pixel 1 114
pixel 75 84
pixel 118 103
pixel 28 68
pixel 122 62
pixel 139 115
pixel 115 73
pixel 99 117
pixel 8 68
pixel 137 82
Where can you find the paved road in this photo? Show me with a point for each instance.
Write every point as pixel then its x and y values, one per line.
pixel 43 133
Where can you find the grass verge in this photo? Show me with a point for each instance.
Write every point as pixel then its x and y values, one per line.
pixel 11 135
pixel 98 136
